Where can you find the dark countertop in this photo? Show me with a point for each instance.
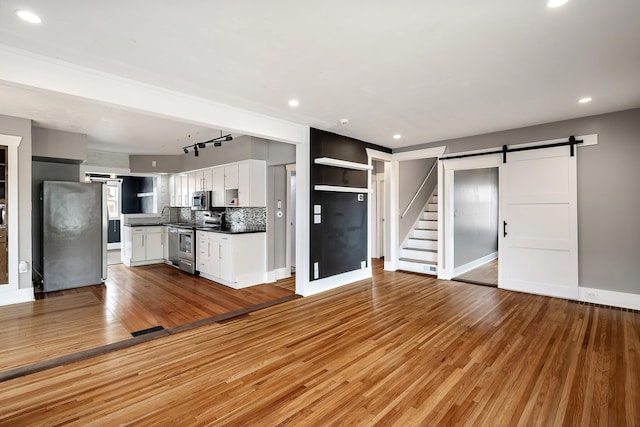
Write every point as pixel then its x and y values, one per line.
pixel 214 229
pixel 230 230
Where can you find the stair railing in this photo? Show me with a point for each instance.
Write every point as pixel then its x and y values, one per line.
pixel 415 196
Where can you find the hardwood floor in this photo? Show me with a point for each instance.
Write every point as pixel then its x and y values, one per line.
pixel 64 325
pixel 401 349
pixel 486 274
pixel 33 332
pixel 148 296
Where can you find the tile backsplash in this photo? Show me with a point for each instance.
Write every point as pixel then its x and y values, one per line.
pixel 251 218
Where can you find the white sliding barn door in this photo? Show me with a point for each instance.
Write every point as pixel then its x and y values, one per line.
pixel 539 207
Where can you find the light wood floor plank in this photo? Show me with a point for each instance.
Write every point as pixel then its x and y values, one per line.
pixel 401 349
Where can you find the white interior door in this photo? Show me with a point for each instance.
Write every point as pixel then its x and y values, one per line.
pixel 539 217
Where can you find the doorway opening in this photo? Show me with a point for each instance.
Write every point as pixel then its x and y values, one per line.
pixel 475 225
pixel 378 209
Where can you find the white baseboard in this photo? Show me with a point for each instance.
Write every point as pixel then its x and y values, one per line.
pixel 10 295
pixel 474 264
pixel 613 298
pixel 277 274
pixel 332 282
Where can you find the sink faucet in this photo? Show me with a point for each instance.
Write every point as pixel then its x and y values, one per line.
pixel 163 209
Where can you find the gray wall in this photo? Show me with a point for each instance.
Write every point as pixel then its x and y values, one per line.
pixel 411 175
pixel 164 164
pixel 22 127
pixel 241 148
pixel 69 147
pixel 45 171
pixel 276 238
pixel 233 151
pixel 278 155
pixel 475 226
pixel 608 197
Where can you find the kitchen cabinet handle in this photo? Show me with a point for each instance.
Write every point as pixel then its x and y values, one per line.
pixel 219 251
pixel 142 241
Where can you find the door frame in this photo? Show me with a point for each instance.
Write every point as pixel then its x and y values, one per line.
pixel 446 241
pixel 291 169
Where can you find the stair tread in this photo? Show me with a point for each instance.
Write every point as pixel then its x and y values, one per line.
pixel 422 238
pixel 421 250
pixel 426 229
pixel 418 261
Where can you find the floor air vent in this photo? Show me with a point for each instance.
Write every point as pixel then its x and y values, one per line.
pixel 147 331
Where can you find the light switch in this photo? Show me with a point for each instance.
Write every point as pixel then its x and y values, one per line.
pixel 317 219
pixel 317 209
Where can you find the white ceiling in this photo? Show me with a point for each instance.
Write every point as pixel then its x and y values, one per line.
pixel 425 69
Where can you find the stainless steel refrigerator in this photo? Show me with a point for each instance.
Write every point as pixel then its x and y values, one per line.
pixel 74 234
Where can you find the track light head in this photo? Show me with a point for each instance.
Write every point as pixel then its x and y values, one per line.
pixel 186 151
pixel 202 144
pixel 217 144
pixel 195 150
pixel 228 138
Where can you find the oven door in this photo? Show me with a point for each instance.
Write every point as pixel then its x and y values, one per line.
pixel 186 244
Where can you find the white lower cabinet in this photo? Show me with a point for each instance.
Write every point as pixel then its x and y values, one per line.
pixel 235 260
pixel 144 245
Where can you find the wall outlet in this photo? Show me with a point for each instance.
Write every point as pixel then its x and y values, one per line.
pixel 591 294
pixel 363 264
pixel 316 270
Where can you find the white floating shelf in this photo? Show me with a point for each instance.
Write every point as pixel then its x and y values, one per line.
pixel 328 161
pixel 340 189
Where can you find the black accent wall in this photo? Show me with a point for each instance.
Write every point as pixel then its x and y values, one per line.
pixel 339 242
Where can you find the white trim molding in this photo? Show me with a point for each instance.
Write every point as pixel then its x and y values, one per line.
pixel 332 282
pixel 10 293
pixel 612 298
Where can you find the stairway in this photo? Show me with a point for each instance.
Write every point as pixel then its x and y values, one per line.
pixel 419 251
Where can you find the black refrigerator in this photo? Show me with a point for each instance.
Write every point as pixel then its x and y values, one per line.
pixel 74 234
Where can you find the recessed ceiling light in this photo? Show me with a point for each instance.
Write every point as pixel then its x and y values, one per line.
pixel 397 136
pixel 25 15
pixel 294 103
pixel 585 100
pixel 556 3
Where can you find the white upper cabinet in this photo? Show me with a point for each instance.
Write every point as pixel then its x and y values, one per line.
pixel 201 180
pixel 231 176
pixel 252 187
pixel 233 184
pixel 179 190
pixel 207 179
pixel 217 179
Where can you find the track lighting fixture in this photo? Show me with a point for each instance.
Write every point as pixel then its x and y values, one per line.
pixel 217 142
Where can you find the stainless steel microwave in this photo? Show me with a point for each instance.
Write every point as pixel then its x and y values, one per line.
pixel 201 201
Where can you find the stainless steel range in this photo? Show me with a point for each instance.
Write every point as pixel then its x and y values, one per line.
pixel 182 247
